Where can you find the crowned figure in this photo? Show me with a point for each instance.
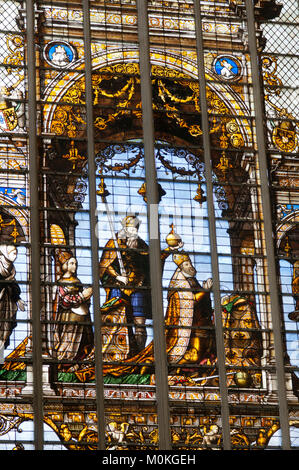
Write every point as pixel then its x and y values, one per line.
pixel 189 307
pixel 73 335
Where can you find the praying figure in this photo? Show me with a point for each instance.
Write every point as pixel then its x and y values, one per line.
pixel 73 334
pixel 189 309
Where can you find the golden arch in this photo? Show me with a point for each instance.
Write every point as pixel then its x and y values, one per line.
pixel 16 212
pixel 59 86
pixel 288 223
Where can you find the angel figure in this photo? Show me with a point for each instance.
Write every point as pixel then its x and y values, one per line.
pixel 116 433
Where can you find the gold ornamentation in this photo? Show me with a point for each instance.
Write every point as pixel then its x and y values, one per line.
pixel 14 233
pixel 223 139
pixel 73 155
pixel 142 192
pixel 224 164
pixel 57 235
pixel 10 117
pixel 242 340
pixel 239 440
pixel 287 247
pixel 15 58
pixel 134 430
pixel 284 136
pixel 119 83
pixel 264 435
pixel 173 239
pixel 199 197
pixel 242 378
pixel 273 83
pixel 102 190
pixel 234 134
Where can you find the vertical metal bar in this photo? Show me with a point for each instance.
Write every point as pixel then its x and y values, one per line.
pixel 93 225
pixel 34 229
pixel 268 224
pixel 212 228
pixel 161 371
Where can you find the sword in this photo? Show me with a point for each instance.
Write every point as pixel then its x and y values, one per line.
pixel 103 192
pixel 200 379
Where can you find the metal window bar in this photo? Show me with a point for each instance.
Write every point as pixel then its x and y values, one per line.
pixel 268 224
pixel 160 358
pixel 212 228
pixel 153 226
pixel 93 224
pixel 34 230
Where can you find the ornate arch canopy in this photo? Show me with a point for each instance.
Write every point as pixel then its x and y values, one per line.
pixel 164 66
pixel 14 227
pixel 117 113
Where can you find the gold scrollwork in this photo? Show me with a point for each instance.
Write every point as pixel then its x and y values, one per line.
pixel 174 90
pixel 15 58
pixel 14 233
pixel 73 155
pixel 272 82
pixel 284 134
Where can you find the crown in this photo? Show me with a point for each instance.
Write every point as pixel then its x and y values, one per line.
pixel 130 220
pixel 63 256
pixel 179 258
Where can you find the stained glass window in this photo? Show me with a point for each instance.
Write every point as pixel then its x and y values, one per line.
pixel 149 225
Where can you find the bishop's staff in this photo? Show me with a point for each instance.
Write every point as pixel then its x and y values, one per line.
pixel 103 192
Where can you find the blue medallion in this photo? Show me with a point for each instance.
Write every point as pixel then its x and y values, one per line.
pixel 59 54
pixel 228 68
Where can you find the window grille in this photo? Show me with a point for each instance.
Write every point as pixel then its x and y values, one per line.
pixel 149 225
